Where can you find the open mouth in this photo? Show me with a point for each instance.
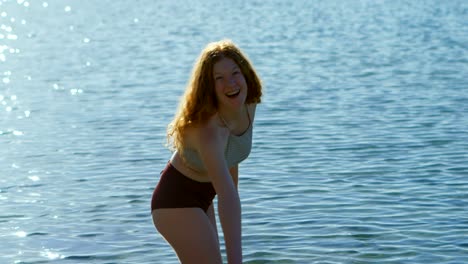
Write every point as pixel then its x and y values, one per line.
pixel 233 93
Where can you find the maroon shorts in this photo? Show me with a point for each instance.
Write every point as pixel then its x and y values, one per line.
pixel 175 190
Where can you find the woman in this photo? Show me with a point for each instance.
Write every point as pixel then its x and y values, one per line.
pixel 210 135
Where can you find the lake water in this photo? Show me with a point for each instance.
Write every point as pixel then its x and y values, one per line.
pixel 360 148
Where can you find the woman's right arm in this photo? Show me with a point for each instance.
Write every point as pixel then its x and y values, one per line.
pixel 211 149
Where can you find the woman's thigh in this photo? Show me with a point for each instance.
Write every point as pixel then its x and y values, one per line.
pixel 190 232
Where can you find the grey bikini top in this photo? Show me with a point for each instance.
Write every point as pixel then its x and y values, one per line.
pixel 237 149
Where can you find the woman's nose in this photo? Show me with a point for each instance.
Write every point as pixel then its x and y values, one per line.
pixel 231 81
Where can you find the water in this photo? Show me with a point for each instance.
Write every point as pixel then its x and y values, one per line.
pixel 360 145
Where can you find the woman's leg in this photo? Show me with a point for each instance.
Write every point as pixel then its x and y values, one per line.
pixel 190 232
pixel 211 215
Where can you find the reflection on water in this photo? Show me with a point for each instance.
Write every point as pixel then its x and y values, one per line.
pixel 360 144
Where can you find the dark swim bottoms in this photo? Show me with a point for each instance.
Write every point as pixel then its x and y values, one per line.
pixel 175 190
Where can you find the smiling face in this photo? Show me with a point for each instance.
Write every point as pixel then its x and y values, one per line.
pixel 230 84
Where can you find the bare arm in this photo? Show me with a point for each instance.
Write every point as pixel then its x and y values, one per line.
pixel 211 150
pixel 234 171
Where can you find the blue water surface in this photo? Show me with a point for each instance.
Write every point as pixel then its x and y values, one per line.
pixel 360 151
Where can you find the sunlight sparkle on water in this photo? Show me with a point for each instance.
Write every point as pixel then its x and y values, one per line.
pixel 51 255
pixel 34 178
pixel 76 91
pixel 18 133
pixel 21 234
pixel 7 28
pixel 57 87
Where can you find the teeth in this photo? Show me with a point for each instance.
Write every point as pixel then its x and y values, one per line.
pixel 233 93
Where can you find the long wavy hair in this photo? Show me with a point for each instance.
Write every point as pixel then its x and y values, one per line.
pixel 199 101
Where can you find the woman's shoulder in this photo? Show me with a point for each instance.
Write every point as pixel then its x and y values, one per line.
pixel 252 108
pixel 208 131
pixel 212 123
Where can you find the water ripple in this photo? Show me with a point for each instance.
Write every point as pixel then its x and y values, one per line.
pixel 360 144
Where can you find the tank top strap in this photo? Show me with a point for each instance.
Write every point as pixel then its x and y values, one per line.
pixel 248 116
pixel 224 121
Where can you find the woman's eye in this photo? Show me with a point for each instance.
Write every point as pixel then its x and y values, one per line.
pixel 218 78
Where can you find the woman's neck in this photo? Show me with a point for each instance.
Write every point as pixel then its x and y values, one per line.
pixel 232 117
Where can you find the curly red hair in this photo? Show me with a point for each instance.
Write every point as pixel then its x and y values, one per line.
pixel 199 101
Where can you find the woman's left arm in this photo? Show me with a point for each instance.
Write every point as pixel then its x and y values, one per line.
pixel 235 175
pixel 211 213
